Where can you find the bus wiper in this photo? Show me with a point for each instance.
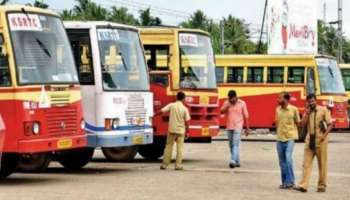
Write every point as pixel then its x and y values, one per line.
pixel 123 61
pixel 330 71
pixel 43 47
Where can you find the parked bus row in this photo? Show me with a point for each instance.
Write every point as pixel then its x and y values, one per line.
pixel 65 93
pixel 69 88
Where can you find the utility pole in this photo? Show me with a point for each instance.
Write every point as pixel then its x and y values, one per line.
pixel 222 36
pixel 325 12
pixel 258 49
pixel 340 30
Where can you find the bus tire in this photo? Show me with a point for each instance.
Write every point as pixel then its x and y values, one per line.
pixel 9 163
pixel 75 159
pixel 35 162
pixel 120 154
pixel 153 151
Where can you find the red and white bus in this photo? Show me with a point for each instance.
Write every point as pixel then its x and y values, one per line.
pixel 40 100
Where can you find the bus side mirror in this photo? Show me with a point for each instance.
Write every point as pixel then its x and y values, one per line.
pixel 3 51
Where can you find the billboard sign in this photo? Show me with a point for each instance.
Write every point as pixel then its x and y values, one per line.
pixel 292 26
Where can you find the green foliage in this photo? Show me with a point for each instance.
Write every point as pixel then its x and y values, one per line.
pixel 3 2
pixel 40 4
pixel 328 44
pixel 121 15
pixel 236 33
pixel 146 19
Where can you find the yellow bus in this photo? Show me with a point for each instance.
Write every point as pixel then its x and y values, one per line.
pixel 181 59
pixel 345 70
pixel 259 79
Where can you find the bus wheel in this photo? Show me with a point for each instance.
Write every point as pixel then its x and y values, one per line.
pixel 153 151
pixel 9 163
pixel 75 159
pixel 35 162
pixel 120 154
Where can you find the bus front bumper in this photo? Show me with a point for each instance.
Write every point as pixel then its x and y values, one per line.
pixel 118 138
pixel 199 131
pixel 51 144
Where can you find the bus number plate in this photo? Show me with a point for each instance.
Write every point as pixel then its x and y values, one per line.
pixel 64 143
pixel 205 131
pixel 137 140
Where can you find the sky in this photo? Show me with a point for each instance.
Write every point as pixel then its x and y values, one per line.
pixel 172 12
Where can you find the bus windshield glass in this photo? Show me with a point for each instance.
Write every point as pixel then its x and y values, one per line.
pixel 122 60
pixel 330 76
pixel 42 52
pixel 197 68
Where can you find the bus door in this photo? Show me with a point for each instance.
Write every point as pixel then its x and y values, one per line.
pixel 158 61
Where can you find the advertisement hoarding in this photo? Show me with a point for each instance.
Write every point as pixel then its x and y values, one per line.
pixel 292 26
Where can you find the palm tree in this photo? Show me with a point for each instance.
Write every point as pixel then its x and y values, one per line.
pixel 3 2
pixel 40 4
pixel 88 10
pixel 146 19
pixel 237 35
pixel 121 15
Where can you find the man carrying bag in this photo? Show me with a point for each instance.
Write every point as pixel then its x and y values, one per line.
pixel 317 119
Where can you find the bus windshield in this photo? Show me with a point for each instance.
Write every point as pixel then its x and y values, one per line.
pixel 197 68
pixel 330 76
pixel 42 52
pixel 122 60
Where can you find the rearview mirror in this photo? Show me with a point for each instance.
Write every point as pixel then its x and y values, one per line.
pixel 3 51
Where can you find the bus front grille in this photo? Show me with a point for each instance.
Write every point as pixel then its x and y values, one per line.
pixel 59 99
pixel 62 121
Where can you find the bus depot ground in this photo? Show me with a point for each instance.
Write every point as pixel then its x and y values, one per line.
pixel 206 176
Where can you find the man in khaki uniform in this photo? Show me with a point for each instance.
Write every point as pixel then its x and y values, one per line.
pixel 287 121
pixel 318 122
pixel 178 118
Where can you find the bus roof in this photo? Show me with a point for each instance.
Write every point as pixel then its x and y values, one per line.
pixel 237 60
pixel 16 7
pixel 92 24
pixel 169 30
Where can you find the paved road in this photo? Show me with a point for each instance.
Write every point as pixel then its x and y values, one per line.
pixel 206 176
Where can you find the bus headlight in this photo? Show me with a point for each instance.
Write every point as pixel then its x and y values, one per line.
pixel 36 128
pixel 115 123
pixel 82 124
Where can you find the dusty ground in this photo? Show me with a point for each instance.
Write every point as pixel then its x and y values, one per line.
pixel 206 176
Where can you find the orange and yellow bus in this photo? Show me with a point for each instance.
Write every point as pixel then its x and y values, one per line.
pixel 181 59
pixel 40 100
pixel 345 70
pixel 259 79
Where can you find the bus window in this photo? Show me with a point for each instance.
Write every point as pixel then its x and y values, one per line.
pixel 80 41
pixel 311 81
pixel 159 79
pixel 235 75
pixel 255 75
pixel 4 65
pixel 275 74
pixel 346 78
pixel 219 72
pixel 296 74
pixel 157 57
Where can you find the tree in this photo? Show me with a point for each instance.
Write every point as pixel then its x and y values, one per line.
pixel 146 19
pixel 328 41
pixel 198 20
pixel 86 10
pixel 3 2
pixel 237 35
pixel 121 15
pixel 40 4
